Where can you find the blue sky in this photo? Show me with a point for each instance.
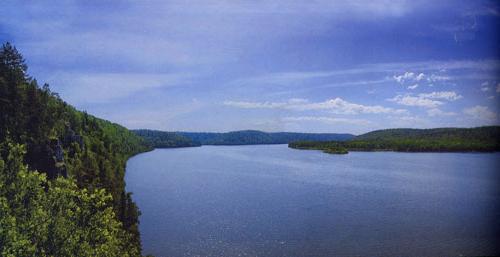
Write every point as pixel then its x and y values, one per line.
pixel 307 66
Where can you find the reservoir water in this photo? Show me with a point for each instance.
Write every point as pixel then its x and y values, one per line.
pixel 270 200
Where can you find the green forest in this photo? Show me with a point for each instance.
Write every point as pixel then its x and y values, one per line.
pixel 162 139
pixel 480 139
pixel 254 137
pixel 62 189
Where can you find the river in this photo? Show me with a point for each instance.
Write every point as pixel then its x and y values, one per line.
pixel 270 200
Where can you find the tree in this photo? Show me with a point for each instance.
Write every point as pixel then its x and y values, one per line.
pixel 54 218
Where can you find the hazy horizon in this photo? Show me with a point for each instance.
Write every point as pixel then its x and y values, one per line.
pixel 218 66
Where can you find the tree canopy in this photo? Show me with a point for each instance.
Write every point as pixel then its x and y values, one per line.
pixel 40 217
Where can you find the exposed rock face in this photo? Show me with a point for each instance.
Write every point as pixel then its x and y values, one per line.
pixel 72 137
pixel 58 152
pixel 52 156
pixel 57 167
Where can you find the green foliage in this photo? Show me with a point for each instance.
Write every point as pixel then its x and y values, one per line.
pixel 161 139
pixel 481 139
pixel 61 141
pixel 252 137
pixel 39 217
pixel 337 150
pixel 331 147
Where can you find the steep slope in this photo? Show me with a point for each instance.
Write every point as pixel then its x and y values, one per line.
pixel 63 142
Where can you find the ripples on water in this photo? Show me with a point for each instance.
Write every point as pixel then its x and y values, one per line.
pixel 270 200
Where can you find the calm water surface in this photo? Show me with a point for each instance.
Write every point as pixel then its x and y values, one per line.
pixel 269 200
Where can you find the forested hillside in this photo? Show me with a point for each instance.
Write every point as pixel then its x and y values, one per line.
pixel 252 137
pixel 480 139
pixel 76 204
pixel 477 134
pixel 162 139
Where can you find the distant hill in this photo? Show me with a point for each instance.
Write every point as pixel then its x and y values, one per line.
pixel 480 139
pixel 475 134
pixel 162 139
pixel 254 137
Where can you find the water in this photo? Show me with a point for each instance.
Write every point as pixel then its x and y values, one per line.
pixel 269 200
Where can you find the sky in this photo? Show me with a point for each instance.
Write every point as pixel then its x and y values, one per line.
pixel 301 66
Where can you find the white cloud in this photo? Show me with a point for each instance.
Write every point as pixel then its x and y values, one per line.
pixel 412 77
pixel 437 78
pixel 408 76
pixel 329 120
pixel 336 105
pixel 437 112
pixel 426 100
pixel 419 77
pixel 482 113
pixel 445 95
pixel 498 88
pixel 413 87
pixel 409 100
pixel 485 86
